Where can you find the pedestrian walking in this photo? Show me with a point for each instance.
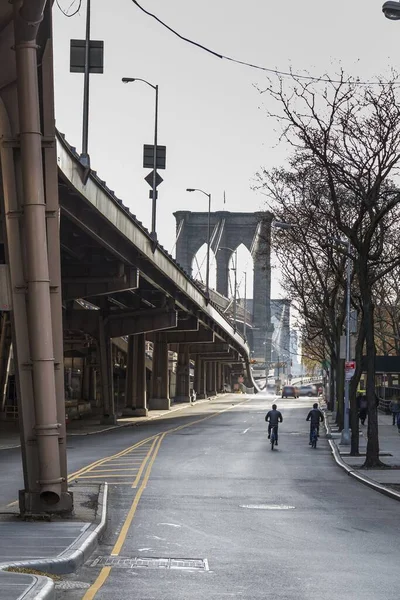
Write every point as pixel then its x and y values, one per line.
pixel 394 408
pixel 362 407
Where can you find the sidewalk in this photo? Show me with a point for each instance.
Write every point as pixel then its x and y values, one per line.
pixel 55 547
pixel 386 480
pixel 9 431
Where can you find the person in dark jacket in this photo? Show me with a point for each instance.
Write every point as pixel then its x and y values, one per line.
pixel 394 408
pixel 315 417
pixel 273 417
pixel 362 406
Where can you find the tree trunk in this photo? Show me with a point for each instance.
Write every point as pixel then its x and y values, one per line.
pixel 355 436
pixel 372 457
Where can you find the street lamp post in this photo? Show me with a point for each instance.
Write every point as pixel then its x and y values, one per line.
pixel 154 187
pixel 84 157
pixel 235 284
pixel 208 238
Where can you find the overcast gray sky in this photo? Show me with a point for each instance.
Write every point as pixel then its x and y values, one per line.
pixel 211 117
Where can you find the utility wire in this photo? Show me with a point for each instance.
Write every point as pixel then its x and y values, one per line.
pixel 258 67
pixel 66 13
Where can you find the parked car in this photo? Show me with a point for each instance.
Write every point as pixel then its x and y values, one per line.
pixel 308 390
pixel 290 391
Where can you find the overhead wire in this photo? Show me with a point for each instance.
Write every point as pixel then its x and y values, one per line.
pixel 259 67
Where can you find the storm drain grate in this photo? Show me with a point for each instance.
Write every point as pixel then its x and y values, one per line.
pixel 118 562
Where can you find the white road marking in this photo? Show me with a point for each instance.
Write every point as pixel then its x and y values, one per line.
pixel 170 524
pixel 267 506
pixel 245 431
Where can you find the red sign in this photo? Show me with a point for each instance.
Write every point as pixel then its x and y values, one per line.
pixel 350 368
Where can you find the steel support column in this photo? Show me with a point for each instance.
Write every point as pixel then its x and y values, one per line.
pixel 28 250
pixel 160 376
pixel 218 367
pixel 106 374
pixel 140 373
pixel 208 378
pixel 213 369
pixel 131 380
pixel 183 374
pixel 197 375
pixel 201 389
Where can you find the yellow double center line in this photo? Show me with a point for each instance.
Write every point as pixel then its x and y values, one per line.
pixel 105 571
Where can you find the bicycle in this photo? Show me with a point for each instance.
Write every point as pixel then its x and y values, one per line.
pixel 273 436
pixel 314 437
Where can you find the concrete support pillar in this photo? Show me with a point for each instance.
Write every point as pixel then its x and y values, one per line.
pixel 213 369
pixel 160 376
pixel 202 388
pixel 197 375
pixel 223 272
pixel 183 375
pixel 219 377
pixel 86 380
pixel 106 374
pixel 208 379
pixel 140 370
pixel 131 379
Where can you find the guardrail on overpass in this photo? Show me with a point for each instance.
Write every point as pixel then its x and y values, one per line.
pixel 154 261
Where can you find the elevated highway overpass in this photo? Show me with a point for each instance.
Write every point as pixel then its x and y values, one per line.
pixel 83 271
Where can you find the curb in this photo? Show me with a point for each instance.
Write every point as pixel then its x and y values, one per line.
pixel 378 487
pixel 68 561
pixel 43 588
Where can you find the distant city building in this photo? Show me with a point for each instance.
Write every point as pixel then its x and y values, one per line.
pixel 294 349
pixel 281 344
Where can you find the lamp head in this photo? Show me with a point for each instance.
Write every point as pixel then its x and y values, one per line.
pixel 128 79
pixel 190 190
pixel 391 10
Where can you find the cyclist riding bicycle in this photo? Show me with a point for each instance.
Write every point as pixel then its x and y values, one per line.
pixel 316 417
pixel 273 417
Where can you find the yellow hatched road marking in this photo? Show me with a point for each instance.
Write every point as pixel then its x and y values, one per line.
pixel 138 476
pixel 107 458
pixel 125 528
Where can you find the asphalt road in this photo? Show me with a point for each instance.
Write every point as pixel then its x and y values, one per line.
pixel 245 522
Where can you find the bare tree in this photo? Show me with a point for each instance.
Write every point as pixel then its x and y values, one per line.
pixel 346 139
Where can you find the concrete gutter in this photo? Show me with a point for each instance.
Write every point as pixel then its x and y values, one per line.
pixel 68 561
pixel 378 487
pixel 42 589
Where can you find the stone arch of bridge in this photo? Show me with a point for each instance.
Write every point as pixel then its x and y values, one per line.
pixel 231 230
